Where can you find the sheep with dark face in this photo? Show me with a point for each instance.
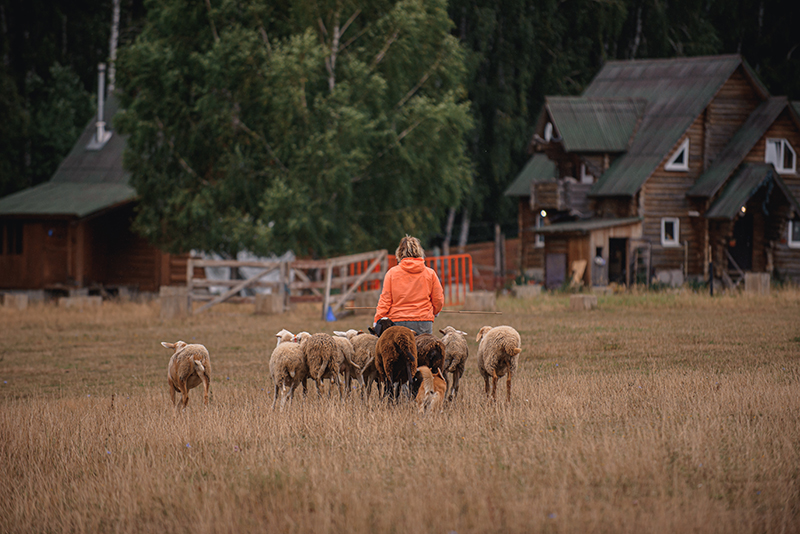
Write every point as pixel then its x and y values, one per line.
pixel 430 352
pixel 455 357
pixel 395 356
pixel 498 354
pixel 189 366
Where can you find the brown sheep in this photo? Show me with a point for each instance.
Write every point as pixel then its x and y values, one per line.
pixel 430 352
pixel 189 366
pixel 347 367
pixel 364 356
pixel 430 396
pixel 396 358
pixel 498 354
pixel 288 367
pixel 455 356
pixel 322 356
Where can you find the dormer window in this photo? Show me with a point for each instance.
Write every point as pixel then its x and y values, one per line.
pixel 782 156
pixel 679 161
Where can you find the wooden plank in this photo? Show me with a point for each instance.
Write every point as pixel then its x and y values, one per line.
pixel 308 283
pixel 238 287
pixel 235 263
pixel 360 280
pixel 327 301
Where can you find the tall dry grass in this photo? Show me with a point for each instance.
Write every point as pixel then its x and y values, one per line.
pixel 656 413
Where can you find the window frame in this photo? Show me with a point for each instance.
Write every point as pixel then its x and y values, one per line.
pixel 676 242
pixel 784 143
pixel 670 165
pixel 538 239
pixel 790 227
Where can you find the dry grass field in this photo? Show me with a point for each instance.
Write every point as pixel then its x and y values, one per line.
pixel 653 413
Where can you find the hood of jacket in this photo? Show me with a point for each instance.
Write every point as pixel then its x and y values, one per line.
pixel 413 265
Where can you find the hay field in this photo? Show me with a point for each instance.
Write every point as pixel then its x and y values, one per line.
pixel 654 413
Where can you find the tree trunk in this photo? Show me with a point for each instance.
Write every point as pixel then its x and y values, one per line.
pixel 448 232
pixel 462 237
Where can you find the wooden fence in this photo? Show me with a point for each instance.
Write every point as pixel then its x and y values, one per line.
pixel 298 280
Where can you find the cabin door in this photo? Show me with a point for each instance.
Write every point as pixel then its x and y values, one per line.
pixel 555 270
pixel 54 260
pixel 741 244
pixel 617 257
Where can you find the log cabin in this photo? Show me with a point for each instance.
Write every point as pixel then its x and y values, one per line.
pixel 73 233
pixel 662 170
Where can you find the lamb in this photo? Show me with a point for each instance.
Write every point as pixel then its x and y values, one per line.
pixel 455 357
pixel 188 367
pixel 288 367
pixel 321 355
pixel 395 352
pixel 498 354
pixel 431 392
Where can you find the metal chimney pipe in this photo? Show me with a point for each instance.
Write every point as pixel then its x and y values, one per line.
pixel 101 82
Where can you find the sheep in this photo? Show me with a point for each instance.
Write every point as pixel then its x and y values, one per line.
pixel 430 352
pixel 455 357
pixel 348 368
pixel 321 355
pixel 288 367
pixel 430 396
pixel 188 366
pixel 364 356
pixel 284 335
pixel 395 352
pixel 498 354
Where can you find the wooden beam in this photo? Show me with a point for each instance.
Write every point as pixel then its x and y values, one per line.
pixel 357 283
pixel 232 291
pixel 326 302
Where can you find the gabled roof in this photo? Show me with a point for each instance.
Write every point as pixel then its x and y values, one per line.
pixel 750 178
pixel 538 169
pixel 737 148
pixel 677 91
pixel 87 181
pixel 595 124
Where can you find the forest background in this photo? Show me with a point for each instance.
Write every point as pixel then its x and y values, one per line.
pixel 333 126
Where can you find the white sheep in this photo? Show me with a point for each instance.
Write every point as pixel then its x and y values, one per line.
pixel 189 366
pixel 288 367
pixel 498 354
pixel 455 357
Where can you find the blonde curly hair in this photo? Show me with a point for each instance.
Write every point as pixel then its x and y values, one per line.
pixel 409 247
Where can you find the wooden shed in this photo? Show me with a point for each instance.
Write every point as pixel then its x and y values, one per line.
pixel 74 231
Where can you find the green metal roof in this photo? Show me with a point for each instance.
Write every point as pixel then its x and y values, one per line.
pixel 750 178
pixel 65 198
pixel 87 181
pixel 585 226
pixel 677 91
pixel 738 147
pixel 595 124
pixel 538 169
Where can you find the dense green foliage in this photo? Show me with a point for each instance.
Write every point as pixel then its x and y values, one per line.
pixel 239 138
pixel 323 128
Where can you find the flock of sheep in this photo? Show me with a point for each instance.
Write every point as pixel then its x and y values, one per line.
pixel 390 355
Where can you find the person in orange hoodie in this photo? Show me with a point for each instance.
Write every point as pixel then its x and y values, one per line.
pixel 412 294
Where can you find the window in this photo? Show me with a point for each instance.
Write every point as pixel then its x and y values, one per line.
pixel 782 156
pixel 538 240
pixel 794 234
pixel 11 238
pixel 586 178
pixel 679 161
pixel 670 231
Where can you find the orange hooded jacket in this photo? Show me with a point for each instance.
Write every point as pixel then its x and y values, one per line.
pixel 411 292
